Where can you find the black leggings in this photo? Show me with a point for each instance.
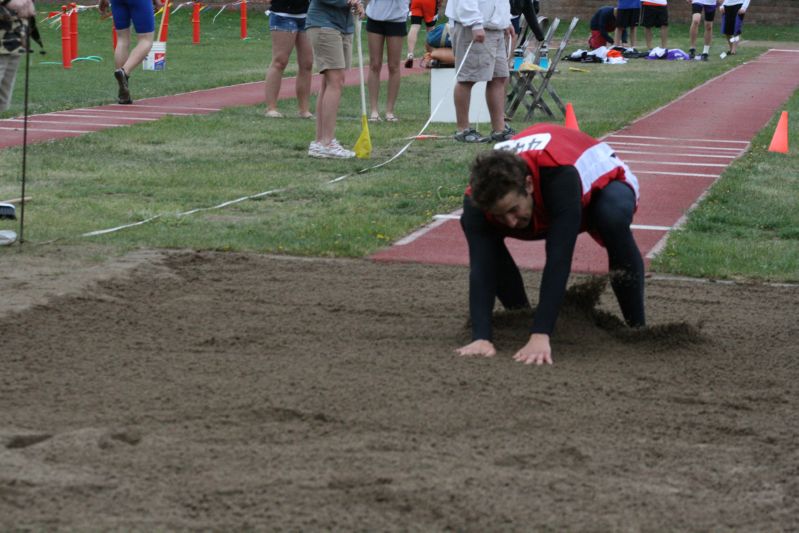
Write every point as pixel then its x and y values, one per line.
pixel 610 214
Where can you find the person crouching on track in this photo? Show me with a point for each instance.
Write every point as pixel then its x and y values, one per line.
pixel 547 182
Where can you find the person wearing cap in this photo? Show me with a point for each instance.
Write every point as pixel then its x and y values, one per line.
pixel 552 183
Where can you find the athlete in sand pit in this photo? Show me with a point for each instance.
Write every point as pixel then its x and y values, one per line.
pixel 552 183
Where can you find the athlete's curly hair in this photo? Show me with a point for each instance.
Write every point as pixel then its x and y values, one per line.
pixel 494 174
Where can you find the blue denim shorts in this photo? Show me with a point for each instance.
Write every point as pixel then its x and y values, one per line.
pixel 283 23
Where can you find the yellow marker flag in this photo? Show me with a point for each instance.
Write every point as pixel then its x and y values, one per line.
pixel 363 146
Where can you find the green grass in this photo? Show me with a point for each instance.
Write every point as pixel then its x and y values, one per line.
pixel 221 58
pixel 124 175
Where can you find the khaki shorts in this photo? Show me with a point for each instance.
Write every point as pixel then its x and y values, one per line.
pixel 485 61
pixel 8 73
pixel 331 48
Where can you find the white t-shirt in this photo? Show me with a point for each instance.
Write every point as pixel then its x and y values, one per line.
pixel 387 10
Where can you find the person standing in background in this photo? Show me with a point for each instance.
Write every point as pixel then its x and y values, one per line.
pixel 287 29
pixel 655 14
pixel 628 14
pixel 733 11
pixel 421 11
pixel 481 54
pixel 330 25
pixel 142 14
pixel 386 24
pixel 14 24
pixel 702 10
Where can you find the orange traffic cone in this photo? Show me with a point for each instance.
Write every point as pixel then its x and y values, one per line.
pixel 779 143
pixel 571 120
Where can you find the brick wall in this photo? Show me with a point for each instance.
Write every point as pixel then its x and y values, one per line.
pixel 783 12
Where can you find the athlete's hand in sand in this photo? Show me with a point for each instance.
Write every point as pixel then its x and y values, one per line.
pixel 536 351
pixel 478 347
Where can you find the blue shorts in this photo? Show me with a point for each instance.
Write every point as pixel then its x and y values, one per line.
pixel 138 11
pixel 284 23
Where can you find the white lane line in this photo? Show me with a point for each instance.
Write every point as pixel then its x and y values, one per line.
pixel 418 233
pixel 47 130
pixel 650 228
pixel 165 106
pixel 133 112
pixel 66 122
pixel 616 135
pixel 664 153
pixel 453 216
pixel 104 117
pixel 681 147
pixel 677 164
pixel 32 124
pixel 668 174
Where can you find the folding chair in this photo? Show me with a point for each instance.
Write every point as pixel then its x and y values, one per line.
pixel 528 87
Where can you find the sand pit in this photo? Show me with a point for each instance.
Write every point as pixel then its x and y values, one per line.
pixel 220 391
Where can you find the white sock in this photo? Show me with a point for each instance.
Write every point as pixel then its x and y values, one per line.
pixel 706 50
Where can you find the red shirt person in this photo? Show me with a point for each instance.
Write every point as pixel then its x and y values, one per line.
pixel 551 183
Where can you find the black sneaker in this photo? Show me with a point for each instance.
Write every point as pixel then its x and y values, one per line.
pixel 504 135
pixel 703 57
pixel 124 93
pixel 469 135
pixel 692 53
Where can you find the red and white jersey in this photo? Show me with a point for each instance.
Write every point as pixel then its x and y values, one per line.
pixel 654 2
pixel 550 145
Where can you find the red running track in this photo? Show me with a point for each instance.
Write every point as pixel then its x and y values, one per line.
pixel 677 152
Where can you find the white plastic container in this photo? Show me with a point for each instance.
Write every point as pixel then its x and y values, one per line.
pixel 156 58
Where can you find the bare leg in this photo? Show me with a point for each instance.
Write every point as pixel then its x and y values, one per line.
pixel 694 31
pixel 708 33
pixel 495 100
pixel 413 34
pixel 462 95
pixel 282 45
pixel 327 105
pixel 304 74
pixel 393 60
pixel 144 42
pixel 375 42
pixel 122 51
pixel 664 36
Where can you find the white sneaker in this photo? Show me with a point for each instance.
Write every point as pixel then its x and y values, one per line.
pixel 315 149
pixel 332 151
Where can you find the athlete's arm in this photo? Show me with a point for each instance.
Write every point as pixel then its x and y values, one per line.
pixel 562 193
pixel 483 241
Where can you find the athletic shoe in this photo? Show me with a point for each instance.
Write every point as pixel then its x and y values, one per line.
pixel 409 61
pixel 504 135
pixel 469 135
pixel 692 53
pixel 334 150
pixel 314 149
pixel 124 92
pixel 703 57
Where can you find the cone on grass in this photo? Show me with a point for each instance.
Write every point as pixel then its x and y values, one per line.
pixel 571 120
pixel 779 142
